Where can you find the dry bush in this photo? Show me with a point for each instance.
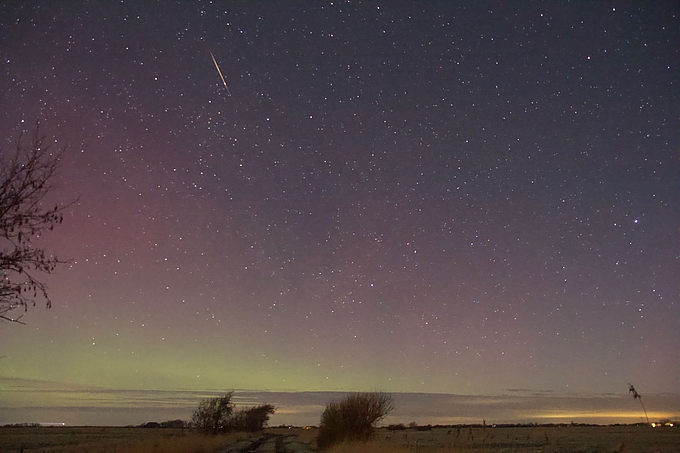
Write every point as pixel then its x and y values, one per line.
pixel 216 415
pixel 352 419
pixel 213 415
pixel 252 419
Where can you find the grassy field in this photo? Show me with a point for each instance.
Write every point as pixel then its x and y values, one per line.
pixel 567 439
pixel 109 440
pixel 604 439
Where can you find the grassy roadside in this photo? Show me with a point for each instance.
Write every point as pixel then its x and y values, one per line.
pixel 110 440
pixel 592 439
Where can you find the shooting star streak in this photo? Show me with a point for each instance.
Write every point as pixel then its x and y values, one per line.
pixel 220 73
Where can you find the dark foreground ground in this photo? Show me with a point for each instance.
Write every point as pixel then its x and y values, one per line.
pixel 150 440
pixel 270 443
pixel 535 439
pixel 572 439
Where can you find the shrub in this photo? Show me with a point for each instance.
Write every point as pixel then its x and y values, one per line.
pixel 352 419
pixel 178 423
pixel 216 415
pixel 253 418
pixel 213 415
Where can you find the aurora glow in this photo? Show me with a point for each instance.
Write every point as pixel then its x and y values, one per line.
pixel 437 198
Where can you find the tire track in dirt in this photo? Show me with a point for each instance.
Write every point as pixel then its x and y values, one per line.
pixel 270 443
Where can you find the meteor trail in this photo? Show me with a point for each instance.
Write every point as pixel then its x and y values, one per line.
pixel 220 72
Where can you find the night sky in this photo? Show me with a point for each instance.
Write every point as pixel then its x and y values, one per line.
pixel 471 198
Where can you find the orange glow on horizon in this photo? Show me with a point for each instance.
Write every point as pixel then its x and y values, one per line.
pixel 632 415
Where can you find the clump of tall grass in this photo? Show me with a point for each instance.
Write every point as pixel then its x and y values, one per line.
pixel 637 396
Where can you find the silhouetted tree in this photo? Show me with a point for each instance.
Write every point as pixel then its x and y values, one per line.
pixel 216 415
pixel 177 423
pixel 353 418
pixel 253 418
pixel 213 415
pixel 25 175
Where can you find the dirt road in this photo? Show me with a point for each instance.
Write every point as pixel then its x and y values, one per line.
pixel 270 443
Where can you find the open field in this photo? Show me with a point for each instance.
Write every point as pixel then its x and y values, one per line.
pixel 572 439
pixel 534 439
pixel 109 440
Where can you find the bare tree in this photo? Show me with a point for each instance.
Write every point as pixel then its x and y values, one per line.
pixel 213 415
pixel 217 415
pixel 25 180
pixel 251 419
